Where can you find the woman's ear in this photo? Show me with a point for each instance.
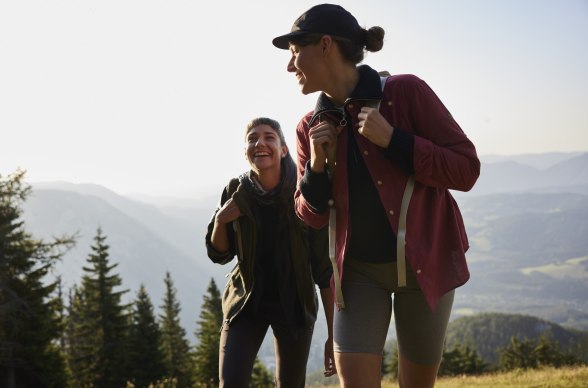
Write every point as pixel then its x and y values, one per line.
pixel 326 42
pixel 284 151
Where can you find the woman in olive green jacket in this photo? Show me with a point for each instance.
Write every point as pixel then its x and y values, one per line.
pixel 280 261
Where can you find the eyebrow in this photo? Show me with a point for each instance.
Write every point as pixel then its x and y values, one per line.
pixel 268 133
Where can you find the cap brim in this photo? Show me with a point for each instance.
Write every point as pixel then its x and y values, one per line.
pixel 283 42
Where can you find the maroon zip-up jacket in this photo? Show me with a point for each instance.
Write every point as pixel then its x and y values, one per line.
pixel 427 142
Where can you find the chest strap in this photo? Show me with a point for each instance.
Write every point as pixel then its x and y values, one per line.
pixel 401 235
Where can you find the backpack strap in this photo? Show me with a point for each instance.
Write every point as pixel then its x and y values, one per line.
pixel 339 301
pixel 401 235
pixel 231 188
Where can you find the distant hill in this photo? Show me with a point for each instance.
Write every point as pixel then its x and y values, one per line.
pixel 528 254
pixel 527 231
pixel 144 241
pixel 490 332
pixel 527 222
pixel 550 173
pixel 538 161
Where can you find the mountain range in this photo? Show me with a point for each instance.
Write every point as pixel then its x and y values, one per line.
pixel 527 222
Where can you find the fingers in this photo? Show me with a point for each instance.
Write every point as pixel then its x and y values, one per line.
pixel 330 368
pixel 374 127
pixel 228 212
pixel 323 138
pixel 323 133
pixel 366 116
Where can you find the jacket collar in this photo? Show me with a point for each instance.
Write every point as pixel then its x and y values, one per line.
pixel 368 88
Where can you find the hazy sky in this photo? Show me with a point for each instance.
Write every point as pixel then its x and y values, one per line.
pixel 152 97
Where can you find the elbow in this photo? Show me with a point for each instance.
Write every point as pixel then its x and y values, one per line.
pixel 309 216
pixel 471 177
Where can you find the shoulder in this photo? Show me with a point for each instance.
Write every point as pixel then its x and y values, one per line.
pixel 303 124
pixel 233 184
pixel 407 86
pixel 404 80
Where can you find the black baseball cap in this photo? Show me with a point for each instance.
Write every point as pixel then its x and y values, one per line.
pixel 328 19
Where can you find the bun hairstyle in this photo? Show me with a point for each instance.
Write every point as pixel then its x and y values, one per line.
pixel 374 38
pixel 371 40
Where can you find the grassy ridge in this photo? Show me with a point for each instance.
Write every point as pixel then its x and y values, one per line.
pixel 569 377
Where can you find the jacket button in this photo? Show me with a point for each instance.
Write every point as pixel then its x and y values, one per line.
pixel 365 152
pixel 380 183
pixel 389 103
pixel 391 212
pixel 350 106
pixel 418 271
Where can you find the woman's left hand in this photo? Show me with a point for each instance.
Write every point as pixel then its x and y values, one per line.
pixel 330 368
pixel 374 127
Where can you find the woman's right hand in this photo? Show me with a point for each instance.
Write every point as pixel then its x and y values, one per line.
pixel 323 139
pixel 229 212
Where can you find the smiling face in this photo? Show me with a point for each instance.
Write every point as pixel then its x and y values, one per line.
pixel 263 149
pixel 306 64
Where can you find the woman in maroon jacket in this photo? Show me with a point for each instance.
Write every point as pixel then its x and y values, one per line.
pixel 376 158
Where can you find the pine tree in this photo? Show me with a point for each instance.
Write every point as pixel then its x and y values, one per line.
pixel 518 354
pixel 392 366
pixel 385 366
pixel 175 346
pixel 98 339
pixel 208 335
pixel 30 324
pixel 461 360
pixel 261 376
pixel 145 364
pixel 548 352
pixel 79 340
pixel 527 354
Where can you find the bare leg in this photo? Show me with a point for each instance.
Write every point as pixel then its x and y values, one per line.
pixel 411 375
pixel 359 370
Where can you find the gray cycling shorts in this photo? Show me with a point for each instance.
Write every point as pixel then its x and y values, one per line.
pixel 363 325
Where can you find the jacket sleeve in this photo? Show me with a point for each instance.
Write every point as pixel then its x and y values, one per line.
pixel 443 156
pixel 312 208
pixel 320 262
pixel 213 254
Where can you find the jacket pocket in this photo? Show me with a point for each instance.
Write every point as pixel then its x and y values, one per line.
pixel 233 295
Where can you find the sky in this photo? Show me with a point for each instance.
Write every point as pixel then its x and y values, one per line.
pixel 152 97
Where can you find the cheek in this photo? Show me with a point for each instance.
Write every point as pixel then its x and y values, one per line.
pixel 307 66
pixel 300 63
pixel 248 153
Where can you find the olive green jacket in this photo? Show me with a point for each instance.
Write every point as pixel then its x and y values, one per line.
pixel 308 253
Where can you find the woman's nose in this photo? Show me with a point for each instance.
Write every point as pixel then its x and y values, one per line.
pixel 291 68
